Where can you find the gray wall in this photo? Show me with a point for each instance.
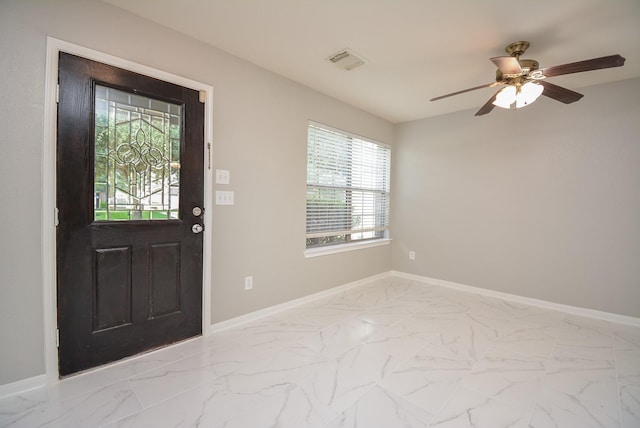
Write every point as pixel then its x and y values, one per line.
pixel 543 202
pixel 260 122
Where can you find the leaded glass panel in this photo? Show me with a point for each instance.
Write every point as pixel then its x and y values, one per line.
pixel 137 157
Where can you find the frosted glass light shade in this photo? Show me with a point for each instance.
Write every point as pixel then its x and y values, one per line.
pixel 523 96
pixel 529 92
pixel 505 97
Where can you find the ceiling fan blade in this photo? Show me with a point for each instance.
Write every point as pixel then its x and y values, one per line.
pixel 559 93
pixel 488 106
pixel 507 64
pixel 586 65
pixel 488 85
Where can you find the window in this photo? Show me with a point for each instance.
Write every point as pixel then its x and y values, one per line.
pixel 347 188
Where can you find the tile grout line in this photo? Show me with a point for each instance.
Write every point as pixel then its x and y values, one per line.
pixel 618 390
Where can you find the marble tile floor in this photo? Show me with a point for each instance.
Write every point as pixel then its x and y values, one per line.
pixel 389 353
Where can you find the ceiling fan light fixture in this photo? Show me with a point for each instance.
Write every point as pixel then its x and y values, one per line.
pixel 523 79
pixel 529 92
pixel 505 97
pixel 522 96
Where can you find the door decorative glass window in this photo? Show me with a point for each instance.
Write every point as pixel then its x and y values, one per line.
pixel 137 157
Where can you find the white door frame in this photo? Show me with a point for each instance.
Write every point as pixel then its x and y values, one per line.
pixel 49 220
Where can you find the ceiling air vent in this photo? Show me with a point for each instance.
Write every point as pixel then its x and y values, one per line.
pixel 346 59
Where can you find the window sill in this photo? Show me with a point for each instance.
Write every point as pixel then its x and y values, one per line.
pixel 333 249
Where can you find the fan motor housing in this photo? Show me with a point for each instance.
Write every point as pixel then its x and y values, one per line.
pixel 528 65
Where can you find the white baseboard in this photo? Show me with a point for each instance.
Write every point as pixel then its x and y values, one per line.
pixel 41 380
pixel 272 310
pixel 23 385
pixel 575 310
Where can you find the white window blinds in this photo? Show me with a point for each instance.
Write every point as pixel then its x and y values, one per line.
pixel 347 187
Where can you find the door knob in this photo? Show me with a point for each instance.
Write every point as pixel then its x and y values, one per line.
pixel 197 228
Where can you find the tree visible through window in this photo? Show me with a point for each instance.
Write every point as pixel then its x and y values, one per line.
pixel 347 187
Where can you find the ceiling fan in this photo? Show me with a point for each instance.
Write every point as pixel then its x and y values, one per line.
pixel 525 82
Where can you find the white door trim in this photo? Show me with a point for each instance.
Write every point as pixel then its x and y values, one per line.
pixel 48 252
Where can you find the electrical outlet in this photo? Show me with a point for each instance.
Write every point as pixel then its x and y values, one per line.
pixel 248 282
pixel 412 255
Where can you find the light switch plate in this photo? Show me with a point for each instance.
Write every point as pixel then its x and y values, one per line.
pixel 224 197
pixel 222 176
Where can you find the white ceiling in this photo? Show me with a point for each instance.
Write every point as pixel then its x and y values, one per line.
pixel 415 49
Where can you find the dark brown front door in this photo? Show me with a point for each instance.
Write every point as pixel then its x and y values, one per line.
pixel 130 187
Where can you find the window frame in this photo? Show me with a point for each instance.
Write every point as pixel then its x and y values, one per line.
pixel 381 192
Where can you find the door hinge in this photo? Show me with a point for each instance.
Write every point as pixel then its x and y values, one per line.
pixel 57 337
pixel 203 97
pixel 56 216
pixel 57 93
pixel 208 155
